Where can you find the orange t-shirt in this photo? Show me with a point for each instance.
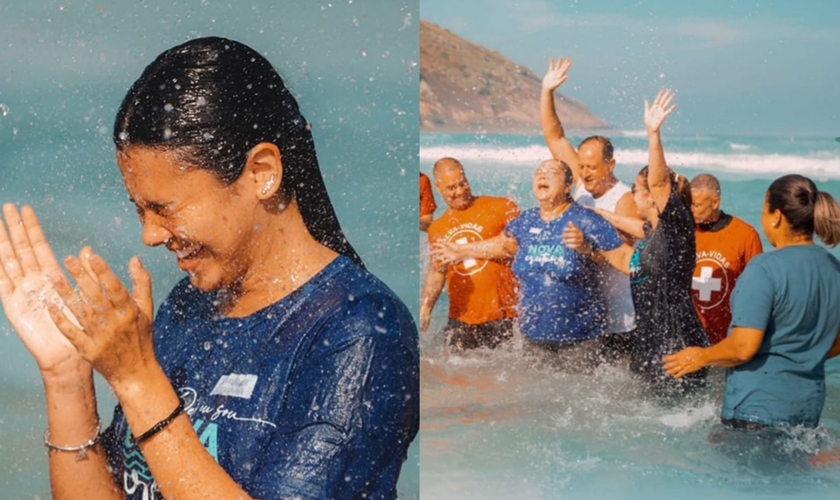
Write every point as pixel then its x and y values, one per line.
pixel 427 198
pixel 479 290
pixel 721 257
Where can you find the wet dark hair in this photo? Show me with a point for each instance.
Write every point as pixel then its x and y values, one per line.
pixel 210 101
pixel 678 182
pixel 606 146
pixel 806 208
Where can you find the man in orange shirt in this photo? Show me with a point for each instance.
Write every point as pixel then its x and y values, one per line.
pixel 482 293
pixel 724 246
pixel 427 202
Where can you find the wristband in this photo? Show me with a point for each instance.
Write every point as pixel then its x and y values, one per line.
pixel 160 425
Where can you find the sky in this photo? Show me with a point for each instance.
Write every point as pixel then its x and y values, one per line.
pixel 763 67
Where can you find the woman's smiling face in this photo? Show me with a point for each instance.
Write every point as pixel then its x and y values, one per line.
pixel 206 224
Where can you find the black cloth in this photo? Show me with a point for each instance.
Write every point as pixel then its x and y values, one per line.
pixel 722 221
pixel 661 270
pixel 464 336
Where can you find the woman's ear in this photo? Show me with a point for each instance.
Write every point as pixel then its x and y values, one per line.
pixel 264 170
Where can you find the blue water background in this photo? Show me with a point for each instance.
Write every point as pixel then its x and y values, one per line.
pixel 497 425
pixel 64 69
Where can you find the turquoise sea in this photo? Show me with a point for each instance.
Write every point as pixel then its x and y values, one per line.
pixel 497 425
pixel 63 72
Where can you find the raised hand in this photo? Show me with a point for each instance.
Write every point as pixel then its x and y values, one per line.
pixel 656 113
pixel 28 272
pixel 556 74
pixel 114 331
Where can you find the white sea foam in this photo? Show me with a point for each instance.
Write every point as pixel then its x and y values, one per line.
pixel 739 147
pixel 820 164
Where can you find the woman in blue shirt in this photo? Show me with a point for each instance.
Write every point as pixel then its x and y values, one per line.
pixel 785 318
pixel 560 303
pixel 279 368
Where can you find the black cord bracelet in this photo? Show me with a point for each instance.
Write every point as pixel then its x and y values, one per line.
pixel 160 425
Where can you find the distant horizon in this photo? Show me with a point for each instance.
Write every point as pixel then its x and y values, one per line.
pixel 641 132
pixel 769 68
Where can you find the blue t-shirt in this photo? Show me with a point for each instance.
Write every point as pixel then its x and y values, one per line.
pixel 559 299
pixel 792 295
pixel 315 396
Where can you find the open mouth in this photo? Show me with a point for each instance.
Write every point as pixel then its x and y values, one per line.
pixel 187 256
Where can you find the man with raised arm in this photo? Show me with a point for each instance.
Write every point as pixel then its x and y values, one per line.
pixel 482 293
pixel 596 187
pixel 724 246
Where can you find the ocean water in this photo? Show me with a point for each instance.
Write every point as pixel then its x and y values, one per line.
pixel 63 72
pixel 502 425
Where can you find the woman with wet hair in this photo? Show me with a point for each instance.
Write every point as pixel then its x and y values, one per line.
pixel 660 265
pixel 278 368
pixel 785 319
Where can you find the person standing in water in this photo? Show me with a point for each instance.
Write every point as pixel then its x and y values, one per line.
pixel 595 186
pixel 725 244
pixel 661 265
pixel 278 368
pixel 560 303
pixel 482 292
pixel 785 319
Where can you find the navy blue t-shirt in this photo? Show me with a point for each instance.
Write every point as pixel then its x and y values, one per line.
pixel 560 299
pixel 315 396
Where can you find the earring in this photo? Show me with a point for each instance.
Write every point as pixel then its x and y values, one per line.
pixel 268 184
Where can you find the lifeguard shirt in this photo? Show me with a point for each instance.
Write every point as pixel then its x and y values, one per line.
pixel 427 198
pixel 479 290
pixel 723 251
pixel 560 297
pixel 315 396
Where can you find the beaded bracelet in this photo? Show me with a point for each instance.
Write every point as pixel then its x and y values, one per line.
pixel 81 450
pixel 160 425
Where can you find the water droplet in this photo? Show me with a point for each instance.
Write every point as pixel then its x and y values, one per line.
pixel 123 136
pixel 167 134
pixel 351 297
pixel 4 110
pixel 661 75
pixel 354 21
pixel 201 101
pixel 208 346
pixel 207 136
pixel 363 52
pixel 168 107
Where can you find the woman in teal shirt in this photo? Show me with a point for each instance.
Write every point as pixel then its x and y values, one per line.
pixel 785 318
